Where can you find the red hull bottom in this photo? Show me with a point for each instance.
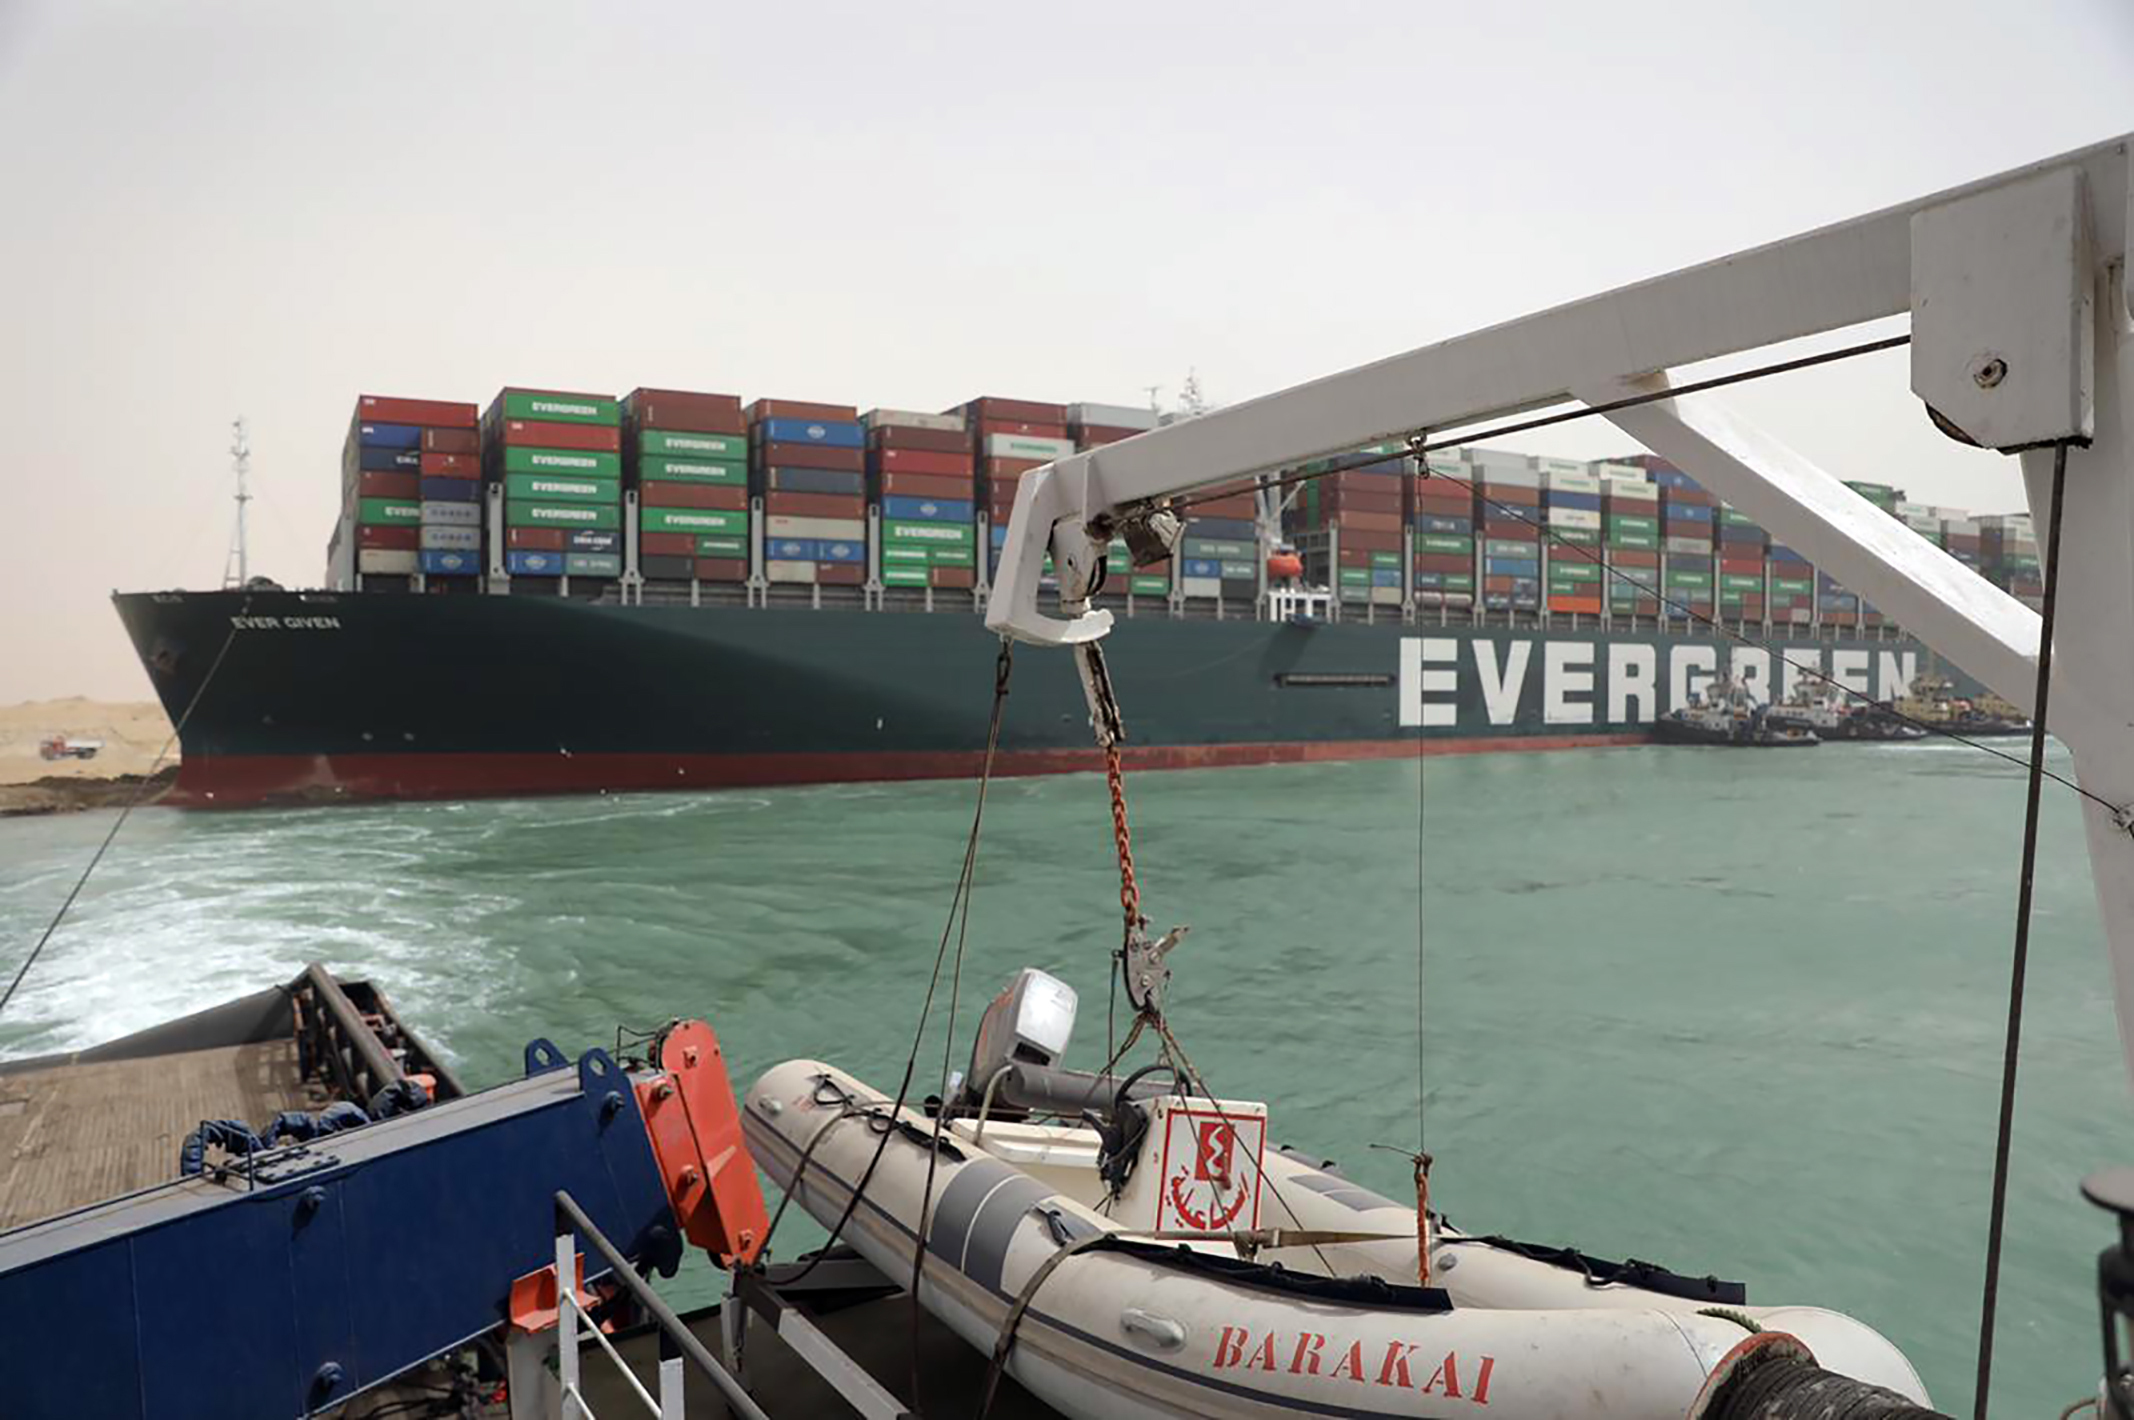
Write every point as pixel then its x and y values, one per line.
pixel 241 781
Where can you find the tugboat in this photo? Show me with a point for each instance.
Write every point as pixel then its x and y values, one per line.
pixel 1829 715
pixel 1726 714
pixel 1932 701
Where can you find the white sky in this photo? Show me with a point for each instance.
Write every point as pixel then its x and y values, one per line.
pixel 215 209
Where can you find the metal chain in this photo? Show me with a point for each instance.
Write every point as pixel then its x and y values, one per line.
pixel 1123 839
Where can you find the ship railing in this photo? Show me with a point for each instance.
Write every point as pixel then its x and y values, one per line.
pixel 677 1343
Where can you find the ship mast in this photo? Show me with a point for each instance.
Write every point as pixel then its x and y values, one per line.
pixel 239 558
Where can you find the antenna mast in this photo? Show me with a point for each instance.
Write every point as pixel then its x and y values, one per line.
pixel 241 464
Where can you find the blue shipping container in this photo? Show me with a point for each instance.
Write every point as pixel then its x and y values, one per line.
pixel 833 433
pixel 388 460
pixel 791 549
pixel 1671 478
pixel 836 550
pixel 451 564
pixel 814 480
pixel 451 490
pixel 1201 567
pixel 521 563
pixel 1689 512
pixel 1511 566
pixel 929 510
pixel 1230 529
pixel 389 436
pixel 1558 498
pixel 593 540
pixel 1385 576
pixel 1432 523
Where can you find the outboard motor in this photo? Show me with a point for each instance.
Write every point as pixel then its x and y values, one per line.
pixel 1028 1023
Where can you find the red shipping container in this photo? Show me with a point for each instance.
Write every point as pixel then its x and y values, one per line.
pixel 939 441
pixel 810 456
pixel 687 412
pixel 1089 434
pixel 1345 503
pixel 388 485
pixel 451 466
pixel 1510 529
pixel 1687 497
pixel 541 539
pixel 1632 557
pixel 923 461
pixel 1504 493
pixel 1559 601
pixel 1026 428
pixel 1680 527
pixel 452 441
pixel 442 413
pixel 1741 566
pixel 665 544
pixel 541 434
pixel 1444 562
pixel 839 574
pixel 800 409
pixel 721 569
pixel 390 539
pixel 994 407
pixel 657 493
pixel 1354 557
pixel 1371 540
pixel 1011 468
pixel 1240 505
pixel 814 505
pixel 930 485
pixel 955 578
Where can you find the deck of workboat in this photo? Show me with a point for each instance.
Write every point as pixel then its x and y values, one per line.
pixel 77 1132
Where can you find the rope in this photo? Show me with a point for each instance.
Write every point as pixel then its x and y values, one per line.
pixel 960 915
pixel 2020 962
pixel 1422 1136
pixel 1123 840
pixel 139 795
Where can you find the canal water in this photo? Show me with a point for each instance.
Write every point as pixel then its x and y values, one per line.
pixel 1736 1012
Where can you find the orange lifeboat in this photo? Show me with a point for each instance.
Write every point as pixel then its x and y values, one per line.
pixel 1284 564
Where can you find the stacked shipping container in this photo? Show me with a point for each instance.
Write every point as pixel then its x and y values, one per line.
pixel 1743 571
pixel 1630 516
pixel 411 490
pixel 1688 522
pixel 2008 554
pixel 1441 519
pixel 558 458
pixel 923 475
pixel 686 455
pixel 1508 502
pixel 1571 511
pixel 1008 438
pixel 807 462
pixel 1348 525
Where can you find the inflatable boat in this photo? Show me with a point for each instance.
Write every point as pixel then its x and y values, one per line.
pixel 1128 1248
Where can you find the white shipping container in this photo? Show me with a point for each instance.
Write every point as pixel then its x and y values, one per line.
pixel 1117 416
pixel 1574 518
pixel 912 419
pixel 1505 476
pixel 1950 515
pixel 451 515
pixel 1545 467
pixel 1448 463
pixel 2020 521
pixel 1498 458
pixel 1568 481
pixel 834 529
pixel 1907 511
pixel 1696 547
pixel 1201 586
pixel 1386 596
pixel 800 572
pixel 1960 526
pixel 437 539
pixel 1632 490
pixel 1627 471
pixel 389 562
pixel 1027 446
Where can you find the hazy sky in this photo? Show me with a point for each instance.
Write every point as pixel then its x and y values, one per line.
pixel 215 209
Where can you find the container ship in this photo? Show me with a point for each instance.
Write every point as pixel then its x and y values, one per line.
pixel 572 592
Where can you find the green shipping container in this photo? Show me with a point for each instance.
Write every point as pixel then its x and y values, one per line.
pixel 1636 542
pixel 1355 576
pixel 592 564
pixel 562 515
pixel 1246 571
pixel 1575 537
pixel 1689 579
pixel 904 575
pixel 693 446
pixel 1792 584
pixel 1146 586
pixel 723 546
pixel 1734 517
pixel 1740 582
pixel 733 475
pixel 556 488
pixel 1453 582
pixel 1572 569
pixel 1633 522
pixel 579 461
pixel 1212 548
pixel 900 552
pixel 1501 547
pixel 1378 559
pixel 562 409
pixel 933 534
pixel 952 556
pixel 388 511
pixel 1453 543
pixel 691 520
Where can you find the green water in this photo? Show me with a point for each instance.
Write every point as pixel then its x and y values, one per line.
pixel 1735 1012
